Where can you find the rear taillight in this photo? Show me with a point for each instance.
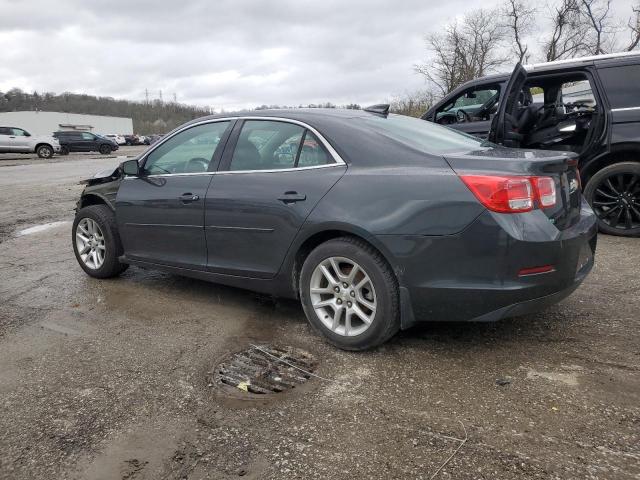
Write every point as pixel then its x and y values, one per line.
pixel 512 194
pixel 545 190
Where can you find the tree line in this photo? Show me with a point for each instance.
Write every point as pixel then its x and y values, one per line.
pixel 148 117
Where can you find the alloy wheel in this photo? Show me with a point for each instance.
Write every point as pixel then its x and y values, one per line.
pixel 90 243
pixel 616 201
pixel 343 296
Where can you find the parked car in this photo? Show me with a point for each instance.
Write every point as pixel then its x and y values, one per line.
pixel 118 139
pixel 18 140
pixel 588 105
pixel 377 221
pixel 154 138
pixel 73 141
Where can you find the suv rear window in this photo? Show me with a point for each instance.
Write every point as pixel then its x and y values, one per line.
pixel 424 136
pixel 621 85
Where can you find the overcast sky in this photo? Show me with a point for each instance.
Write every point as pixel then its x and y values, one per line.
pixel 225 53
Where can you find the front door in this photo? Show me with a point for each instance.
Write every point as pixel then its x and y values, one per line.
pixel 160 212
pixel 504 125
pixel 273 174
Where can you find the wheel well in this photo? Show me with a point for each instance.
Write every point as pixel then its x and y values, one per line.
pixel 614 157
pixel 41 144
pixel 90 199
pixel 313 241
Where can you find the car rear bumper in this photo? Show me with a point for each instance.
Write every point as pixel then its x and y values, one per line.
pixel 474 275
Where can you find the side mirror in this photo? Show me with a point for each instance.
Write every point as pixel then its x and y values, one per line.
pixel 130 167
pixel 27 134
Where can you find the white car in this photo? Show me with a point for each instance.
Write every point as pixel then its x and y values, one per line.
pixel 119 139
pixel 18 140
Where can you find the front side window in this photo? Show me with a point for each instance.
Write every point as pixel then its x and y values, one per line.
pixel 189 151
pixel 473 105
pixel 18 132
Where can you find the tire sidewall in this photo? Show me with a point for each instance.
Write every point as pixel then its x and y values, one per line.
pixel 596 180
pixel 46 148
pixel 384 314
pixel 96 213
pixel 105 149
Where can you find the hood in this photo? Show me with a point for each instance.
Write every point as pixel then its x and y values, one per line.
pixel 103 176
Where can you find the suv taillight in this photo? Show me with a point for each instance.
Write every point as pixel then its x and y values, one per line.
pixel 512 194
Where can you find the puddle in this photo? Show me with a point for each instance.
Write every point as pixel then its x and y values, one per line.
pixel 41 228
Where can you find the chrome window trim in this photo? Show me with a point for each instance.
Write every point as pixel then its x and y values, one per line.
pixel 227 172
pixel 627 109
pixel 335 155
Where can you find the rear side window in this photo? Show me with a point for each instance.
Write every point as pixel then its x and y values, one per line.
pixel 424 136
pixel 266 145
pixel 621 85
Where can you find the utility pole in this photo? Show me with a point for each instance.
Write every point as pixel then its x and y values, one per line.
pixel 146 95
pixel 160 92
pixel 175 99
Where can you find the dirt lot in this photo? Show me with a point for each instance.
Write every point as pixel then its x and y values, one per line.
pixel 110 379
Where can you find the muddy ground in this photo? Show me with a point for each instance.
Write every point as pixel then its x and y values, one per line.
pixel 110 379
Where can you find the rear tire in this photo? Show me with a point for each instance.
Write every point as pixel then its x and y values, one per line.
pixel 614 195
pixel 105 149
pixel 372 293
pixel 44 151
pixel 64 150
pixel 104 233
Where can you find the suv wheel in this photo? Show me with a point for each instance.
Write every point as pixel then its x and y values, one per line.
pixel 105 149
pixel 350 294
pixel 44 151
pixel 96 242
pixel 614 195
pixel 64 150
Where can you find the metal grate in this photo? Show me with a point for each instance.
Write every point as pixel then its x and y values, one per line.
pixel 263 370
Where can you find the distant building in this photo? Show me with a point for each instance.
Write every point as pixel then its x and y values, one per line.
pixel 45 123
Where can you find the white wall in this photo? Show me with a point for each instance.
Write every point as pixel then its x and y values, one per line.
pixel 45 123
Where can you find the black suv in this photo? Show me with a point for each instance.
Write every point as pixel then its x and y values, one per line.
pixel 84 142
pixel 588 105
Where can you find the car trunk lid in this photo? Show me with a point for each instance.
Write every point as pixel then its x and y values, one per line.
pixel 561 166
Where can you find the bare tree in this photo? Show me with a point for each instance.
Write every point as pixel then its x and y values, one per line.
pixel 413 104
pixel 519 22
pixel 568 35
pixel 465 51
pixel 634 27
pixel 596 16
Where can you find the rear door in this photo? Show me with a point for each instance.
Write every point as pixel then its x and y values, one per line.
pixel 160 212
pixel 19 140
pixel 504 125
pixel 273 174
pixel 5 145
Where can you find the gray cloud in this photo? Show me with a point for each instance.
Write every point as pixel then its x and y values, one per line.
pixel 224 53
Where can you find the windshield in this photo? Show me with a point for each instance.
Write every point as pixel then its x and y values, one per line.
pixel 425 136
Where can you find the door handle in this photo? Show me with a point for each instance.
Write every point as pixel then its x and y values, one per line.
pixel 189 197
pixel 292 197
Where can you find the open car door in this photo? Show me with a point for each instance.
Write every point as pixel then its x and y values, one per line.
pixel 504 128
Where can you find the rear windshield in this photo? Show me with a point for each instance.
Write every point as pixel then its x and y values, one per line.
pixel 425 136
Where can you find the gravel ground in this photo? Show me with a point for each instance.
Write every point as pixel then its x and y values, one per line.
pixel 111 379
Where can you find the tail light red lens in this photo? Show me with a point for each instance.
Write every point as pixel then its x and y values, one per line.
pixel 545 191
pixel 511 194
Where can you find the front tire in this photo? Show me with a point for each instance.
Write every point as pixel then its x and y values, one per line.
pixel 350 294
pixel 105 149
pixel 614 195
pixel 44 151
pixel 64 150
pixel 96 242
